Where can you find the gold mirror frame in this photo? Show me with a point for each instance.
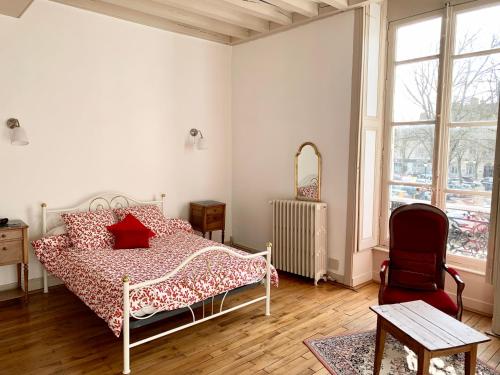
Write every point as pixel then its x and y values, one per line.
pixel 318 154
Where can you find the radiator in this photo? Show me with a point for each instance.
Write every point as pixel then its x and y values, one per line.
pixel 299 238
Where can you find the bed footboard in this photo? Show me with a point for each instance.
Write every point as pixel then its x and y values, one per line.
pixel 128 289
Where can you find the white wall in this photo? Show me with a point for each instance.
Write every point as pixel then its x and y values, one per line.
pixel 107 105
pixel 289 88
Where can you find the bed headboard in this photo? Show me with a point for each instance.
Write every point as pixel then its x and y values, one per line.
pixel 51 217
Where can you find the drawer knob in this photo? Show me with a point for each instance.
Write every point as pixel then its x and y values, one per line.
pixel 4 235
pixel 4 248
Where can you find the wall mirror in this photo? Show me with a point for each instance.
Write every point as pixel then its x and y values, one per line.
pixel 308 172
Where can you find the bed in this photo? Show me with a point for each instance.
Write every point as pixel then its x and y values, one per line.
pixel 180 271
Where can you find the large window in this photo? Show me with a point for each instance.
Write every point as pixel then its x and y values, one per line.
pixel 442 108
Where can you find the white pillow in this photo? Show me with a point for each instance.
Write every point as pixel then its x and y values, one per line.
pixel 61 229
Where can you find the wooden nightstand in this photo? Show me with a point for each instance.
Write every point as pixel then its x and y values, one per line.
pixel 14 250
pixel 207 216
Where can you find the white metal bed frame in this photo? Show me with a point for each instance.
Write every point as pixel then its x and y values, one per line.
pixel 110 200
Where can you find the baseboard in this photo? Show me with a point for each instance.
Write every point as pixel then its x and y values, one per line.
pixel 248 249
pixel 475 305
pixel 34 284
pixel 336 277
pixel 359 286
pixel 364 278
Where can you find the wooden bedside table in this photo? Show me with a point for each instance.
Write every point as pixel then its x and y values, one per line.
pixel 14 250
pixel 207 216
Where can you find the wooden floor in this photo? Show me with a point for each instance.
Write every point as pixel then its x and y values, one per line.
pixel 58 334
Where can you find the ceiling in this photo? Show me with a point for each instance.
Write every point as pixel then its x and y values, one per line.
pixel 223 21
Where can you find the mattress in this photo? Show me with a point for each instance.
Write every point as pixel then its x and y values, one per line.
pixel 95 276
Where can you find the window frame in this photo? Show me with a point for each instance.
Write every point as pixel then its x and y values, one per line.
pixel 389 123
pixel 442 122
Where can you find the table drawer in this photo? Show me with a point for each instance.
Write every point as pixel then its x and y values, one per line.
pixel 11 234
pixel 215 210
pixel 215 225
pixel 11 251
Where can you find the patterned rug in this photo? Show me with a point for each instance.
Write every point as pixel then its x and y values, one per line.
pixel 353 355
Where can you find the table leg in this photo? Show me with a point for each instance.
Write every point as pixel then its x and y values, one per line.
pixel 424 361
pixel 470 361
pixel 379 347
pixel 223 237
pixel 18 275
pixel 26 287
pixel 210 235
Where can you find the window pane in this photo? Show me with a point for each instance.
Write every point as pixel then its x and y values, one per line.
pixel 418 39
pixel 471 157
pixel 412 150
pixel 401 194
pixel 478 30
pixel 469 218
pixel 476 84
pixel 415 89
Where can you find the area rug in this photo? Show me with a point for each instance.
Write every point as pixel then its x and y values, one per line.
pixel 353 355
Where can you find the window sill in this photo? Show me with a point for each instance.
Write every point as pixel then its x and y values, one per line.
pixel 381 248
pixel 473 266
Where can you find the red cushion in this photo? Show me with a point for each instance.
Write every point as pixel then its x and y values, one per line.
pixel 411 280
pixel 130 233
pixel 438 298
pixel 414 270
pixel 419 228
pixel 413 261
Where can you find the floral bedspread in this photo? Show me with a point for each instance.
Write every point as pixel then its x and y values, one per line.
pixel 95 276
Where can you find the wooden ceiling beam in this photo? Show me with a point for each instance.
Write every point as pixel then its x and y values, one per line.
pixel 339 4
pixel 354 3
pixel 14 8
pixel 307 8
pixel 215 10
pixel 261 9
pixel 181 16
pixel 145 19
pixel 223 21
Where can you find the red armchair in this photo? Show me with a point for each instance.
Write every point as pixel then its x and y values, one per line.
pixel 417 260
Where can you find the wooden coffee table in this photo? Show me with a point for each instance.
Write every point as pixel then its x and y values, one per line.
pixel 428 332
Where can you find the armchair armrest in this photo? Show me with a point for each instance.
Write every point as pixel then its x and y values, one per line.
pixel 383 272
pixel 460 288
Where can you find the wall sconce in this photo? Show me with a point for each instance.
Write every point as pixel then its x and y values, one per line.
pixel 202 143
pixel 18 135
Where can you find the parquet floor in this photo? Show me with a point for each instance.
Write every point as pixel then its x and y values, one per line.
pixel 58 334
